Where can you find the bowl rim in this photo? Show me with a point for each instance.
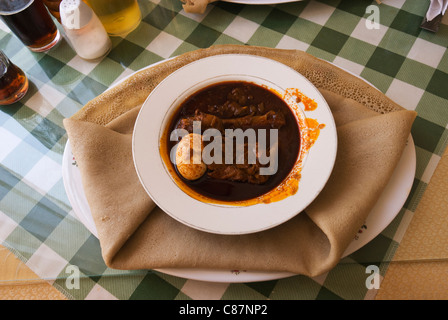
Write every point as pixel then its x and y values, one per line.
pixel 210 216
pixel 196 87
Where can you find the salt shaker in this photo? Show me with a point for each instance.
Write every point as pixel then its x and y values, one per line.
pixel 84 30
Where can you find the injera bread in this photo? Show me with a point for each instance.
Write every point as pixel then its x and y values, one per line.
pixel 196 6
pixel 135 234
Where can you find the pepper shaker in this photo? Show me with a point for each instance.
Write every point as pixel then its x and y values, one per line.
pixel 84 30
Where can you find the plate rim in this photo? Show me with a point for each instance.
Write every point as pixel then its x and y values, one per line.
pixel 261 2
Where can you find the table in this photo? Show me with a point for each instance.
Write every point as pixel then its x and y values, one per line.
pixel 42 238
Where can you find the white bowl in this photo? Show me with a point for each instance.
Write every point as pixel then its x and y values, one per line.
pixel 191 209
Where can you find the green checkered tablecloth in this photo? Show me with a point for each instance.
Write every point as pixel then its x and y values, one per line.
pixel 37 223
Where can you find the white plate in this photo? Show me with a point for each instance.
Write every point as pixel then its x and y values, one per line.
pixel 386 209
pixel 163 101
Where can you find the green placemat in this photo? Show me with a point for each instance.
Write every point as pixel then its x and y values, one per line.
pixel 37 223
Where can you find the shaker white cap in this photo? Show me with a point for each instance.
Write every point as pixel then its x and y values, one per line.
pixel 75 14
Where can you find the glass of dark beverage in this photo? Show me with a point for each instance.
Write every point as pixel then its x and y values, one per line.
pixel 13 81
pixel 30 21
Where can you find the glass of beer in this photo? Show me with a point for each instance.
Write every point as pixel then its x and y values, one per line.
pixel 13 81
pixel 30 21
pixel 119 17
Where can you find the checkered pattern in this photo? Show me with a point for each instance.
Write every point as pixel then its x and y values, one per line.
pixel 408 64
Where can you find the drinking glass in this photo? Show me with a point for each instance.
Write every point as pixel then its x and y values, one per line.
pixel 119 17
pixel 30 21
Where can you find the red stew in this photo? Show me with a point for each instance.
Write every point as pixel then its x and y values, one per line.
pixel 239 105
